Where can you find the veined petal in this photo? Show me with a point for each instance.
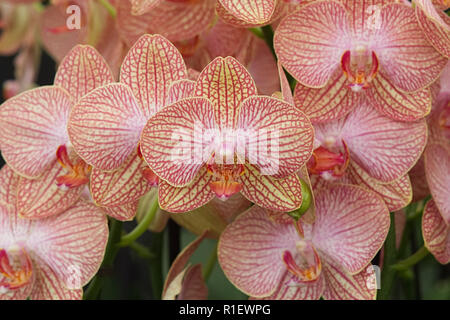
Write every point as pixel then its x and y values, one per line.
pixel 182 199
pixel 143 6
pixel 270 193
pixel 395 104
pixel 331 102
pixel 179 90
pixel 263 67
pixel 351 225
pixel 9 181
pixel 407 58
pixel 105 126
pixel 72 243
pixel 226 83
pixel 280 137
pixel 311 41
pixel 40 198
pixel 32 126
pixel 194 286
pixel 437 170
pixel 255 12
pixel 419 181
pixel 284 85
pixel 149 68
pixel 174 142
pixel 250 252
pixel 119 187
pixel 82 70
pixel 125 212
pixel 436 233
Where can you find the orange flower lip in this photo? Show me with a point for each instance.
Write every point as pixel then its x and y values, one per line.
pixel 18 273
pixel 325 161
pixel 358 69
pixel 305 265
pixel 78 173
pixel 226 176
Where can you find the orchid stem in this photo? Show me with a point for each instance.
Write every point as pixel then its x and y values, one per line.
pixel 109 7
pixel 390 256
pixel 411 260
pixel 156 272
pixel 209 267
pixel 141 227
pixel 142 251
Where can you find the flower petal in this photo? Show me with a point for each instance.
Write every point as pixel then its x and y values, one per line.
pixel 194 286
pixel 149 68
pixel 255 12
pixel 143 6
pixel 125 212
pixel 226 83
pixel 32 126
pixel 250 252
pixel 179 90
pixel 9 181
pixel 105 126
pixel 351 225
pixel 436 233
pixel 311 41
pixel 283 131
pixel 82 70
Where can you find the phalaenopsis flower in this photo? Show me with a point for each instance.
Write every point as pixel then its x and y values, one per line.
pixel 267 256
pixel 342 52
pixel 49 258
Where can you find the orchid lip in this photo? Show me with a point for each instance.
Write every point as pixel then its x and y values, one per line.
pixel 329 164
pixel 359 67
pixel 305 264
pixel 78 173
pixel 16 268
pixel 226 178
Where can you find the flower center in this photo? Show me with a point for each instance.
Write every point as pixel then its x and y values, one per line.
pixel 304 264
pixel 225 179
pixel 360 66
pixel 16 268
pixel 77 174
pixel 329 164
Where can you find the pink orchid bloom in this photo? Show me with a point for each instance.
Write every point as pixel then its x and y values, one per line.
pixel 40 259
pixel 213 121
pixel 358 50
pixel 268 257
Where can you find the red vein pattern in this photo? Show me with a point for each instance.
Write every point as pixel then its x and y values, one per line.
pixel 251 11
pixel 436 233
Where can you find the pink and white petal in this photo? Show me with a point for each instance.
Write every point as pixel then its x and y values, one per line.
pixel 436 233
pixel 125 212
pixel 437 170
pixel 82 70
pixel 143 6
pixel 333 101
pixel 351 225
pixel 40 198
pixel 310 42
pixel 395 104
pixel 384 148
pixel 225 40
pixel 226 83
pixel 18 294
pixel 284 85
pixel 180 89
pixel 255 12
pixel 48 286
pixel 341 285
pixel 282 130
pixel 396 194
pixel 228 210
pixel 32 126
pixel 182 199
pixel 72 243
pixel 194 287
pixel 9 182
pixel 250 252
pixel 419 181
pixel 273 194
pixel 175 141
pixel 105 126
pixel 124 185
pixel 149 68
pixel 407 58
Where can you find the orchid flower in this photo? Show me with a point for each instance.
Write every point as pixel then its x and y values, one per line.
pixel 49 258
pixel 342 52
pixel 266 256
pixel 213 157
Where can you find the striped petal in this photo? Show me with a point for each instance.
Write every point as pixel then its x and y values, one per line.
pixel 311 41
pixel 437 170
pixel 119 187
pixel 194 286
pixel 280 137
pixel 9 181
pixel 125 212
pixel 143 6
pixel 273 194
pixel 32 126
pixel 72 244
pixel 251 11
pixel 419 181
pixel 250 252
pixel 180 89
pixel 149 68
pixel 105 126
pixel 40 198
pixel 263 67
pixel 436 233
pixel 226 83
pixel 407 58
pixel 174 142
pixel 351 225
pixel 183 199
pixel 395 104
pixel 82 70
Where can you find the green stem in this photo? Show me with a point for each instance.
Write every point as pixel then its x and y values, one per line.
pixel 94 288
pixel 390 256
pixel 257 32
pixel 109 7
pixel 411 260
pixel 141 227
pixel 209 267
pixel 156 272
pixel 141 250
